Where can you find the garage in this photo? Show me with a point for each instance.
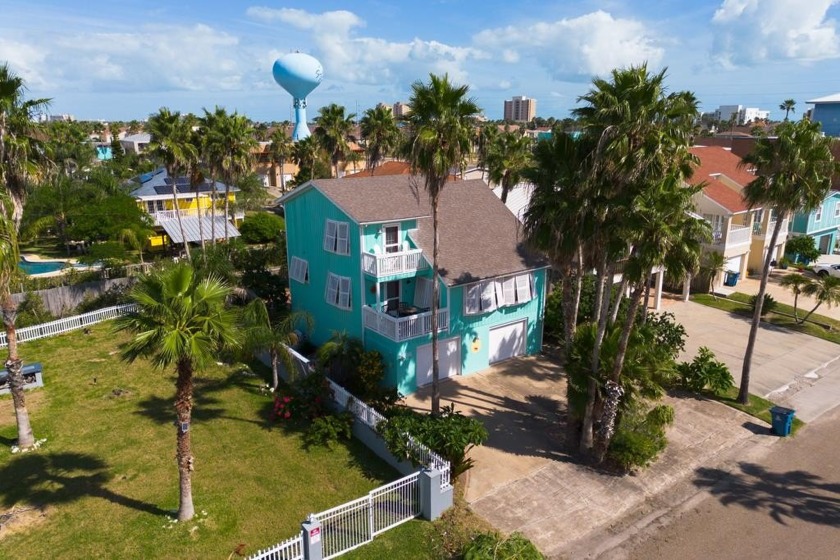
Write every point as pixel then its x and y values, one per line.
pixel 508 341
pixel 734 264
pixel 449 356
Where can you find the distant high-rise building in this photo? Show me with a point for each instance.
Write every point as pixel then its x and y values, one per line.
pixel 520 109
pixel 741 114
pixel 401 109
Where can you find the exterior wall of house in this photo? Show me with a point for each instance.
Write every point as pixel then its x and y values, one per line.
pixel 310 212
pixel 825 230
pixel 828 115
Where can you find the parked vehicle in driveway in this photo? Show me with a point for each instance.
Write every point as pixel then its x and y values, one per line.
pixel 827 269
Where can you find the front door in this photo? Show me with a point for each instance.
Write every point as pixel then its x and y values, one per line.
pixel 825 241
pixel 391 295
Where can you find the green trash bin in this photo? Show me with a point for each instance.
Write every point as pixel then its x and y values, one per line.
pixel 782 420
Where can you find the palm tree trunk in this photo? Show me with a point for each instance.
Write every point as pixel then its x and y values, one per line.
pixel 180 223
pixel 434 318
pixel 744 390
pixel 619 297
pixel 26 438
pixel 283 175
pixel 805 318
pixel 586 437
pixel 227 207
pixel 183 410
pixel 275 372
pixel 213 211
pixel 201 224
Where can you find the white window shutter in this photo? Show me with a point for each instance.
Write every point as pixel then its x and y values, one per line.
pixel 523 288
pixel 423 293
pixel 488 296
pixel 344 293
pixel 332 289
pixel 472 295
pixel 509 287
pixel 343 245
pixel 329 236
pixel 499 287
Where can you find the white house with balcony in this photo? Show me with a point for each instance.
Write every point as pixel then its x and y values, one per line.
pixel 360 254
pixel 742 234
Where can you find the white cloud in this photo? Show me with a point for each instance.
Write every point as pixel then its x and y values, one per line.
pixel 370 60
pixel 27 61
pixel 594 43
pixel 752 31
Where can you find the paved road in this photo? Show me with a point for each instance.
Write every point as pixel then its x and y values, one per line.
pixel 786 505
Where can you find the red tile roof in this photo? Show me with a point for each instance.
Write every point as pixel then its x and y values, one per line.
pixel 387 168
pixel 716 160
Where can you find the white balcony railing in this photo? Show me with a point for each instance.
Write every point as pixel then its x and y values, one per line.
pixel 764 233
pixel 393 263
pixel 737 235
pixel 166 215
pixel 404 328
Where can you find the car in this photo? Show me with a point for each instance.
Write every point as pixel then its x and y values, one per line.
pixel 827 269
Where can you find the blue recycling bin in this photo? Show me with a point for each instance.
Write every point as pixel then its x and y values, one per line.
pixel 731 278
pixel 782 420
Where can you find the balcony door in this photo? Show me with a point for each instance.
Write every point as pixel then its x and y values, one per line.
pixel 391 296
pixel 392 239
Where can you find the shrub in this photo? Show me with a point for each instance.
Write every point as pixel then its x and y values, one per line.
pixel 329 429
pixel 803 248
pixel 32 311
pixel 306 399
pixel 493 546
pixel 450 434
pixel 769 304
pixel 640 436
pixel 262 227
pixel 705 371
pixel 667 333
pixel 117 294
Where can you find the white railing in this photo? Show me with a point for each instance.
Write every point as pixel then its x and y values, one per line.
pixel 166 215
pixel 404 328
pixel 355 523
pixel 68 324
pixel 393 263
pixel 291 549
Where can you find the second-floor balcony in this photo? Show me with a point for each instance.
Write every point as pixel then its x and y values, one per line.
pixel 765 232
pixel 405 323
pixel 737 235
pixel 166 215
pixel 389 264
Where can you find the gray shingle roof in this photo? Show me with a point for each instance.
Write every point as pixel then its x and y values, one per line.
pixel 479 236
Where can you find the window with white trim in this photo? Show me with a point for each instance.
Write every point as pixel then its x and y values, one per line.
pixel 505 291
pixel 837 209
pixel 818 214
pixel 337 237
pixel 299 270
pixel 338 291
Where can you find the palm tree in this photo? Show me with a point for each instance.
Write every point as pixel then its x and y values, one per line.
pixel 263 334
pixel 794 173
pixel 507 158
pixel 440 127
pixel 713 264
pixel 380 133
pixel 305 154
pixel 788 107
pixel 332 131
pixel 171 143
pixel 825 289
pixel 21 161
pixel 279 151
pixel 796 283
pixel 180 320
pixel 231 142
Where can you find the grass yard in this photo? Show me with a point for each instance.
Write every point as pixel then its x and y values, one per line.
pixel 105 482
pixel 758 407
pixel 819 326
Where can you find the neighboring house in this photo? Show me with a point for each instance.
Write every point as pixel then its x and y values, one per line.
pixel 154 195
pixel 518 198
pixel 269 172
pixel 359 254
pixel 827 112
pixel 821 224
pixel 135 143
pixel 741 233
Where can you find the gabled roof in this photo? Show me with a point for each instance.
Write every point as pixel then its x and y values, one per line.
pixel 827 99
pixel 387 168
pixel 479 236
pixel 714 162
pixel 157 183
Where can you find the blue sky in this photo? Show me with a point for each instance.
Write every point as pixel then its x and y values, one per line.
pixel 126 58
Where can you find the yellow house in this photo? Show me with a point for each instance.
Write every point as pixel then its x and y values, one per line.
pixel 194 204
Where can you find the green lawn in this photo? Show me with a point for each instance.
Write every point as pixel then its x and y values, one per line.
pixel 819 326
pixel 758 407
pixel 47 247
pixel 105 481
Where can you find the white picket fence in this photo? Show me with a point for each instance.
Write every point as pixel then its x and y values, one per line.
pixel 356 523
pixel 68 324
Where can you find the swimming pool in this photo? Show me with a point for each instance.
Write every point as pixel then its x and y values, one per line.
pixel 40 267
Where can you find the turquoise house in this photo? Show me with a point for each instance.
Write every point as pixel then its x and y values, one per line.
pixel 359 256
pixel 821 224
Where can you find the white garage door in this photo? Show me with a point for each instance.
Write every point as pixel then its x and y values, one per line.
pixel 734 264
pixel 449 360
pixel 507 341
